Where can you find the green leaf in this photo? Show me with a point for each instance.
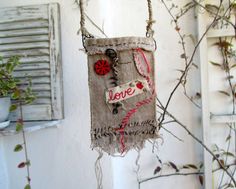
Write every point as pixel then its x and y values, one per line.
pixel 190 166
pixel 183 56
pixel 230 185
pixel 173 166
pixel 215 148
pixel 215 64
pixel 230 77
pixel 27 186
pixel 195 65
pixel 21 165
pixel 13 107
pixel 201 179
pixel 182 71
pixel 9 67
pixel 224 44
pixel 224 92
pixel 15 94
pixel 18 148
pixel 19 126
pixel 222 162
pixel 157 170
pixel 233 66
pixel 201 165
pixel 228 138
pixel 11 84
pixel 229 154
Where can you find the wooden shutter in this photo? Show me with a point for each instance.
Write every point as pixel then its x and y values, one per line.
pixel 33 33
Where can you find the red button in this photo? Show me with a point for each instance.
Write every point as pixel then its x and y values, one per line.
pixel 102 67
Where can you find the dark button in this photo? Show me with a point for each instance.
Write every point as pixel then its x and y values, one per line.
pixel 118 104
pixel 115 111
pixel 111 53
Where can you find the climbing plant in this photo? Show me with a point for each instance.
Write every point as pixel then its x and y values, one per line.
pixel 223 160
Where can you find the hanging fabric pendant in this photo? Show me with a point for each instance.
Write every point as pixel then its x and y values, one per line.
pixel 123 104
pixel 116 129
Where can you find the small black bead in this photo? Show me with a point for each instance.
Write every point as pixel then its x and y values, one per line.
pixel 115 111
pixel 111 53
pixel 118 104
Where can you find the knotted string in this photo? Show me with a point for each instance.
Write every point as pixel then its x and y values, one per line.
pixel 98 169
pixel 86 34
pixel 84 31
pixel 150 21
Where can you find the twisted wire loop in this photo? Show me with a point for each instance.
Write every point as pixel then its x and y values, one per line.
pixel 114 66
pixel 86 34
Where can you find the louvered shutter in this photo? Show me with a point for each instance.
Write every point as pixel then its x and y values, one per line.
pixel 33 33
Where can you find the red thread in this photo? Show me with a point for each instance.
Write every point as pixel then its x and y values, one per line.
pixel 145 59
pixel 120 95
pixel 140 103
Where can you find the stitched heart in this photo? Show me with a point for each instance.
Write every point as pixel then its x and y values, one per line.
pixel 139 85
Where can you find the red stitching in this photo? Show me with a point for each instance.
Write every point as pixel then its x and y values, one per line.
pixel 140 103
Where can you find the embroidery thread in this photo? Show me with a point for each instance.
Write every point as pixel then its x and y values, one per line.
pixel 141 67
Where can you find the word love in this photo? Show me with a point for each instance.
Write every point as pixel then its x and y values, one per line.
pixel 126 91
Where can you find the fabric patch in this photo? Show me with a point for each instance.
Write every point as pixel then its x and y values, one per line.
pixel 126 91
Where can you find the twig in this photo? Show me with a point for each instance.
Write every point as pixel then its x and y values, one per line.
pixel 183 174
pixel 91 21
pixel 191 100
pixel 189 62
pixel 180 81
pixel 204 146
pixel 168 131
pixel 213 13
pixel 95 25
pixel 25 148
pixel 169 175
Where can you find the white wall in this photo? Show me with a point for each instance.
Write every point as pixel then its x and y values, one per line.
pixel 61 158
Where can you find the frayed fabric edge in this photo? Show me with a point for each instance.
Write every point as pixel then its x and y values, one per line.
pixel 113 149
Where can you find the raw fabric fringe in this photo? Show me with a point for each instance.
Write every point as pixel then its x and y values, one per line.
pixel 98 169
pixel 111 145
pixel 114 148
